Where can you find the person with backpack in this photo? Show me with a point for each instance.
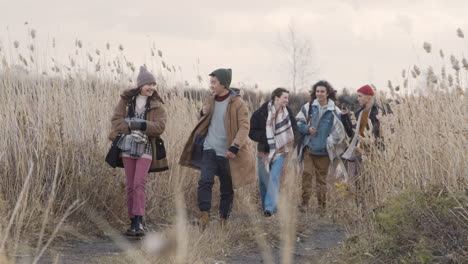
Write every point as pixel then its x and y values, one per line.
pixel 274 128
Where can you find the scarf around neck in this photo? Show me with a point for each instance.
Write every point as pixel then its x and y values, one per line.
pixel 279 131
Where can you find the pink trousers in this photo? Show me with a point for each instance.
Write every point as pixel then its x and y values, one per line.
pixel 136 171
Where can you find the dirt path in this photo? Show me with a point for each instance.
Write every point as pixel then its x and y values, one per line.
pixel 79 251
pixel 311 245
pixel 314 240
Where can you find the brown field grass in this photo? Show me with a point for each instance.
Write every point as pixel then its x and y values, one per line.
pixel 56 185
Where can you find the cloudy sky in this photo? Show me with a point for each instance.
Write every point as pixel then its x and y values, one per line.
pixel 354 41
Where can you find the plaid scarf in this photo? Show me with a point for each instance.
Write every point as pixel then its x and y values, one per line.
pixel 131 145
pixel 279 132
pixel 128 145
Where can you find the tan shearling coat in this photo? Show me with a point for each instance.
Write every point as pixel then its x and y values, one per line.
pixel 237 124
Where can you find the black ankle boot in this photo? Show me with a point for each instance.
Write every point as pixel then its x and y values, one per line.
pixel 267 213
pixel 139 231
pixel 131 231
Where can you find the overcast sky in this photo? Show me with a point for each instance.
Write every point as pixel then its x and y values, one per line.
pixel 354 41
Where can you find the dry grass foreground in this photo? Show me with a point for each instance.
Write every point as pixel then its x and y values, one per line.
pixel 55 184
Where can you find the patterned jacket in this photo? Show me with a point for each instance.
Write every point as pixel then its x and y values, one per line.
pixel 346 120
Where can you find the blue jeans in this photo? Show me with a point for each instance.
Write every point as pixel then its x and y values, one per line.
pixel 215 165
pixel 269 183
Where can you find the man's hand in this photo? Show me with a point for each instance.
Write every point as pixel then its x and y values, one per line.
pixel 205 109
pixel 312 130
pixel 230 155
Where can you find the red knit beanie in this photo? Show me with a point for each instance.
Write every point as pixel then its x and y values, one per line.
pixel 366 89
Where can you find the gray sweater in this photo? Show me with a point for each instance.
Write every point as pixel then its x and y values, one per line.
pixel 216 138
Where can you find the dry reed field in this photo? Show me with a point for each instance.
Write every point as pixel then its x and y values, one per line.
pixel 55 186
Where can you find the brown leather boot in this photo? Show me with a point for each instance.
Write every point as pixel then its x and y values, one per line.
pixel 204 219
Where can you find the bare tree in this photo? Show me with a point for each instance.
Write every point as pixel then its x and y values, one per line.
pixel 298 51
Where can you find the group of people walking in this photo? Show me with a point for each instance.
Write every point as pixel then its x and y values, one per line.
pixel 219 144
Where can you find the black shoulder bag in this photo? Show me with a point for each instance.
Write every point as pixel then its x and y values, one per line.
pixel 113 157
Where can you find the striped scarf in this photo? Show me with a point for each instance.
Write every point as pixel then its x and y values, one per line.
pixel 279 131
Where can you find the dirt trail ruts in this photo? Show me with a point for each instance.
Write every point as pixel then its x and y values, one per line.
pixel 314 240
pixel 80 251
pixel 312 244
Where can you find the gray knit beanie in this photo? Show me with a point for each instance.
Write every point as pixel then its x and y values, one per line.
pixel 145 77
pixel 224 76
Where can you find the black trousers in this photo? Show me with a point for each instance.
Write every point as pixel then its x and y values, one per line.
pixel 215 165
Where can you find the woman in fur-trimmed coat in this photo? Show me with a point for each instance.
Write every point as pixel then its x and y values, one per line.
pixel 141 119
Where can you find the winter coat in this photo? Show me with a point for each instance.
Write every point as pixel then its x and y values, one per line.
pixel 236 123
pixel 258 128
pixel 373 116
pixel 330 136
pixel 156 118
pixel 346 120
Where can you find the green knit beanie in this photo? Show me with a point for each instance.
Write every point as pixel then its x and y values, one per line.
pixel 224 76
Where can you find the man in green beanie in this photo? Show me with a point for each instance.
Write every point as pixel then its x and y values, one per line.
pixel 225 151
pixel 224 77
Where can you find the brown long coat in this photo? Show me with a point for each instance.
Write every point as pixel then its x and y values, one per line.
pixel 156 119
pixel 237 124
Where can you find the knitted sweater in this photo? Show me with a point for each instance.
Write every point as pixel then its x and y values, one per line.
pixel 216 138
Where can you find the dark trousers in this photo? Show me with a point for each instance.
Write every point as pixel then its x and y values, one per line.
pixel 215 165
pixel 358 182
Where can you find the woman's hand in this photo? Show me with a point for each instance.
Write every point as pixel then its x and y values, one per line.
pixel 137 125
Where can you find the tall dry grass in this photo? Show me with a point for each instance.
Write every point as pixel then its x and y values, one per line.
pixel 52 160
pixel 55 184
pixel 426 139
